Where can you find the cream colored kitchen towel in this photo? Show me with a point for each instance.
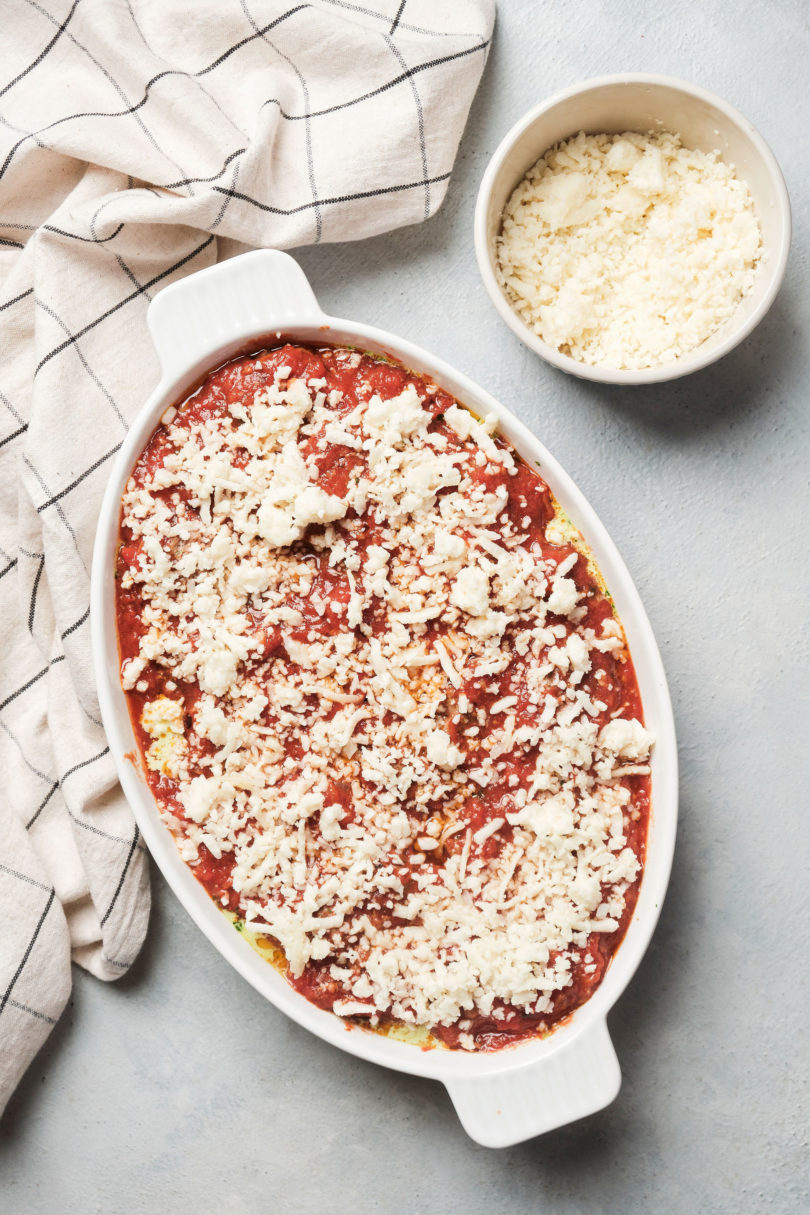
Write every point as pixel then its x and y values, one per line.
pixel 136 138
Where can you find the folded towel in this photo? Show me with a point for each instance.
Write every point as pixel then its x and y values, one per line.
pixel 139 142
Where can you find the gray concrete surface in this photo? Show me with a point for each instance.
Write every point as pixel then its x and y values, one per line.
pixel 180 1089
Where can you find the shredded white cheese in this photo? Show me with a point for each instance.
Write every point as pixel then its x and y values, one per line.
pixel 366 666
pixel 628 250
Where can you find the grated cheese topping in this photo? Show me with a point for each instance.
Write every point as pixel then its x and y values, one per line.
pixel 380 691
pixel 628 250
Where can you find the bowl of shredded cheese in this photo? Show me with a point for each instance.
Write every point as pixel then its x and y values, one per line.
pixel 632 229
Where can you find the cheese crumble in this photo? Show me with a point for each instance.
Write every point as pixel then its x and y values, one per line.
pixel 384 704
pixel 629 250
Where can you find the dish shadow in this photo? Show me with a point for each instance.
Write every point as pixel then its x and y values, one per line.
pixel 645 1018
pixel 642 1023
pixel 734 390
pixel 640 1018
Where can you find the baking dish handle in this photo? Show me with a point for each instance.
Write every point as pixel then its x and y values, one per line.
pixel 507 1107
pixel 258 292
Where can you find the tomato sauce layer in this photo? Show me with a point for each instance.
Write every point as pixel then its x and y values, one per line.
pixel 382 698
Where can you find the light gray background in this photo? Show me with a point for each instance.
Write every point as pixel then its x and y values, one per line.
pixel 180 1089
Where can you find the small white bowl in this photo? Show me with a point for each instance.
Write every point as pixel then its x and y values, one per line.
pixel 610 105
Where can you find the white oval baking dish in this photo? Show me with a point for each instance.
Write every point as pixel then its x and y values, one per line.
pixel 504 1097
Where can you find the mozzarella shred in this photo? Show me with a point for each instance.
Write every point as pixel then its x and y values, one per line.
pixel 628 250
pixel 382 692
